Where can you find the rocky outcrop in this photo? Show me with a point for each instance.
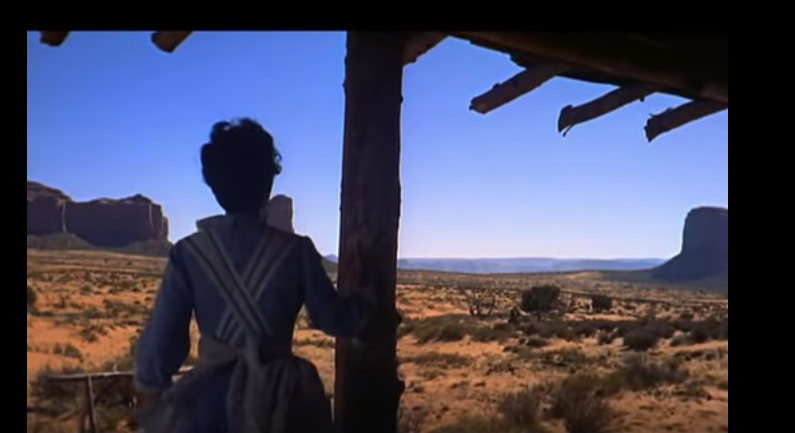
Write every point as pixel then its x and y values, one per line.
pixel 46 210
pixel 102 223
pixel 705 248
pixel 280 213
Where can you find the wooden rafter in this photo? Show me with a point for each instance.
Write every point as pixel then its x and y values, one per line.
pixel 572 116
pixel 53 38
pixel 679 73
pixel 518 85
pixel 168 41
pixel 675 118
pixel 419 43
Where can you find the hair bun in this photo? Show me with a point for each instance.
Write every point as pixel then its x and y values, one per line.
pixel 241 133
pixel 219 132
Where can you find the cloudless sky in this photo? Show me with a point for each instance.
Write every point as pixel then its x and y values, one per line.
pixel 111 116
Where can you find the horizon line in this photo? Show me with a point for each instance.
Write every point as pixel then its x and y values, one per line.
pixel 521 258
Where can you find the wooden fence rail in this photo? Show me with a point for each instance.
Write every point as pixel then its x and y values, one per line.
pixel 91 394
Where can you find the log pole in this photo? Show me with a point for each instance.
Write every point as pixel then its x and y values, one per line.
pixel 368 390
pixel 93 427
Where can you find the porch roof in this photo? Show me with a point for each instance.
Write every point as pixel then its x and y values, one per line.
pixel 692 66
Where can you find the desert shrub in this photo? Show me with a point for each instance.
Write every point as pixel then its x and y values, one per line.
pixel 698 335
pixel 541 299
pixel 680 341
pixel 641 340
pixel 489 334
pixel 640 373
pixel 662 329
pixel 601 303
pixel 447 329
pixel 516 412
pixel 454 328
pixel 476 424
pixel 708 330
pixel 556 329
pixel 536 343
pixel 551 329
pixel 687 316
pixel 569 330
pixel 442 360
pixel 33 298
pixel 580 401
pixel 724 330
pixel 133 348
pixel 521 410
pixel 411 421
pixel 481 303
pixel 606 338
pixel 68 350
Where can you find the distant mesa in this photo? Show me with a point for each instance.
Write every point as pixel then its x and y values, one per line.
pixel 705 249
pixel 101 223
pixel 138 225
pixel 134 224
pixel 527 265
pixel 280 213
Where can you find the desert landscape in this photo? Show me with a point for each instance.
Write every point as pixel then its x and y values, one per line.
pixel 654 360
pixel 576 352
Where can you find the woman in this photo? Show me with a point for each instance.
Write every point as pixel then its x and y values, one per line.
pixel 245 282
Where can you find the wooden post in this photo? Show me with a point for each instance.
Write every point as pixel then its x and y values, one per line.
pixel 91 406
pixel 368 389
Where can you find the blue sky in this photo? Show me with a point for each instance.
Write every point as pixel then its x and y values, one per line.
pixel 110 116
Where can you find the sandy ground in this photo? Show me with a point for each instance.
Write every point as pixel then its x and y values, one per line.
pixel 90 305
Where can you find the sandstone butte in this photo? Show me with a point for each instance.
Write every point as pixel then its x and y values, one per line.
pixel 102 223
pixel 115 223
pixel 705 248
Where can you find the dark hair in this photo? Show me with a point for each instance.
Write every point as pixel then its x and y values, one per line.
pixel 239 164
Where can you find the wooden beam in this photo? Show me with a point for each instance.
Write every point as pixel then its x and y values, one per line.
pixel 419 43
pixel 701 77
pixel 368 389
pixel 53 38
pixel 650 41
pixel 675 118
pixel 81 377
pixel 169 41
pixel 91 406
pixel 572 116
pixel 518 85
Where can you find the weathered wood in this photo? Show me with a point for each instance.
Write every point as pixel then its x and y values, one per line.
pixel 91 404
pixel 85 408
pixel 516 86
pixel 419 43
pixel 675 118
pixel 81 377
pixel 53 38
pixel 680 72
pixel 368 389
pixel 572 116
pixel 169 41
